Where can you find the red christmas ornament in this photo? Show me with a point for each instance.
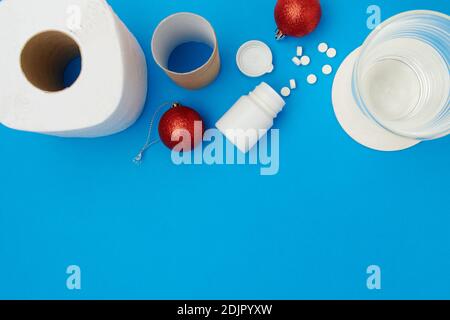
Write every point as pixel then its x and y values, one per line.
pixel 177 122
pixel 297 18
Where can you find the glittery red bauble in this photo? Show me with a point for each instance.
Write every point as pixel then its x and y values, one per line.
pixel 178 121
pixel 297 18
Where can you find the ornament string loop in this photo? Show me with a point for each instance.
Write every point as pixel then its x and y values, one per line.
pixel 149 142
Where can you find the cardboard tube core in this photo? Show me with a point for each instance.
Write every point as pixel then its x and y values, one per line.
pixel 179 29
pixel 45 57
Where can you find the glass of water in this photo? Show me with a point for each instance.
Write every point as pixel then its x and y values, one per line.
pixel 401 79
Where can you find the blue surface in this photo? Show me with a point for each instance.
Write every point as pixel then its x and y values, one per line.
pixel 72 71
pixel 163 231
pixel 189 56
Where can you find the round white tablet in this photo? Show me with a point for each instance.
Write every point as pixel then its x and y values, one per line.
pixel 323 47
pixel 285 92
pixel 327 69
pixel 311 79
pixel 305 60
pixel 331 53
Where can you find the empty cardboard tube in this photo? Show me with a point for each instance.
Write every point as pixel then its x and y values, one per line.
pixel 182 28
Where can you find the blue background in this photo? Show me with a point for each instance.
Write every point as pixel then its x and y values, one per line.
pixel 161 231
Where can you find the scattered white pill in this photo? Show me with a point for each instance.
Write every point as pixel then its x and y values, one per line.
pixel 305 60
pixel 331 53
pixel 285 92
pixel 299 51
pixel 327 69
pixel 296 61
pixel 311 79
pixel 323 47
pixel 293 84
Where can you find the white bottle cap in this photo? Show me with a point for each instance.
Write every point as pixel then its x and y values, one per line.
pixel 254 59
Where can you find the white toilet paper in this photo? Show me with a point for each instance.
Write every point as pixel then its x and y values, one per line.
pixel 39 38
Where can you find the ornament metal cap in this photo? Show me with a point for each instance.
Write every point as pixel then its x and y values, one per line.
pixel 279 35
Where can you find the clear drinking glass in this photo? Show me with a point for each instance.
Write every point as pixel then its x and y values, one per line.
pixel 401 79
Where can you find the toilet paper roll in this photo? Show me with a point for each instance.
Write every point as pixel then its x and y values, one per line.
pixel 39 39
pixel 180 28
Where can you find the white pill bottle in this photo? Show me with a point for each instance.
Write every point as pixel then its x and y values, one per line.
pixel 251 117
